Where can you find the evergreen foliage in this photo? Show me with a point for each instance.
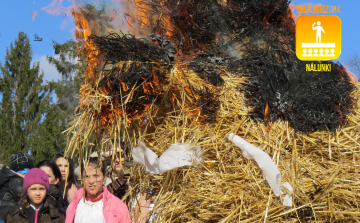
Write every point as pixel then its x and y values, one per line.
pixel 30 119
pixel 24 100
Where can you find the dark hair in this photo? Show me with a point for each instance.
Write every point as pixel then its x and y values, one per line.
pixel 55 169
pixel 121 145
pixel 95 161
pixel 24 202
pixel 71 175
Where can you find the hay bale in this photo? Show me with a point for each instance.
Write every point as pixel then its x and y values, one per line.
pixel 322 168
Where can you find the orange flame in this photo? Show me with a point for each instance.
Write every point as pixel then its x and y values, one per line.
pixel 34 13
pixel 266 109
pixel 266 112
pixel 56 7
pixel 294 15
pixel 351 74
pixel 83 30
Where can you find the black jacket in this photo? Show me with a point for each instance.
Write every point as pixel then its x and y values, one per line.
pixel 11 187
pixel 3 211
pixel 11 190
pixel 55 198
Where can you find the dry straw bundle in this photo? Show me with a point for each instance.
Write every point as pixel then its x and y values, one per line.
pixel 322 167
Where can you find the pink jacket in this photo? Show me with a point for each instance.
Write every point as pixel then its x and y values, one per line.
pixel 115 211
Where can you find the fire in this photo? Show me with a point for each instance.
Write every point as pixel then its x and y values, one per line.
pixel 293 15
pixel 34 13
pixel 351 74
pixel 83 30
pixel 56 7
pixel 131 16
pixel 266 109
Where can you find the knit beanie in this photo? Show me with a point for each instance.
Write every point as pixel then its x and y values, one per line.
pixel 20 161
pixel 35 176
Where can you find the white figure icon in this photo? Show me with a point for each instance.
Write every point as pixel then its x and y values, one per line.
pixel 318 31
pixel 304 52
pixel 310 52
pixel 327 52
pixel 332 52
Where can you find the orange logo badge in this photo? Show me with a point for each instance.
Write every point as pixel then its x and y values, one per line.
pixel 318 37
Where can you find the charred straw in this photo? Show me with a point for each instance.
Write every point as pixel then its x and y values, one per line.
pixel 254 39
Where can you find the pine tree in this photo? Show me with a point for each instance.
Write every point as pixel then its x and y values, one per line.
pixel 24 99
pixel 67 93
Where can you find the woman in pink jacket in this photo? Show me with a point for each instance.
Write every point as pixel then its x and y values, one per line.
pixel 96 204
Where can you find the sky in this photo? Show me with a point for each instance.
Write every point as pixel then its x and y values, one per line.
pixel 17 15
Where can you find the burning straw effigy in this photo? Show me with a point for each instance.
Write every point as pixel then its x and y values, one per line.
pixel 205 70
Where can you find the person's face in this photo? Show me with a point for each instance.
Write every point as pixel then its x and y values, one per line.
pixel 93 180
pixel 36 194
pixel 117 165
pixel 63 166
pixel 50 174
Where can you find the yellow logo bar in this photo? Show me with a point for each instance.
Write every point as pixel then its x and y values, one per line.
pixel 318 37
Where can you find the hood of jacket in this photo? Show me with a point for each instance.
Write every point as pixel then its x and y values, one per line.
pixel 54 191
pixel 6 174
pixel 11 187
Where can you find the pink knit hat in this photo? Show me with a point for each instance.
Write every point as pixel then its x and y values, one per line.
pixel 35 176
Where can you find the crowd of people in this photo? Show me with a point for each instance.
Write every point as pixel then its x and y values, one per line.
pixel 54 191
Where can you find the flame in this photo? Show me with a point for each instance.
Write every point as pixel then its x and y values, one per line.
pixel 351 74
pixel 140 13
pixel 291 9
pixel 115 14
pixel 131 16
pixel 56 7
pixel 266 109
pixel 34 13
pixel 82 33
pixel 83 30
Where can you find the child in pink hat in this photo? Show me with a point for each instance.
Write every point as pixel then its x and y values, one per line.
pixel 33 206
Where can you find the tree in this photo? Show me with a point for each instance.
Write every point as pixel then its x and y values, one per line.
pixel 24 99
pixel 67 93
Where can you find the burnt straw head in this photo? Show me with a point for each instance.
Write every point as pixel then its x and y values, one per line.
pixel 213 39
